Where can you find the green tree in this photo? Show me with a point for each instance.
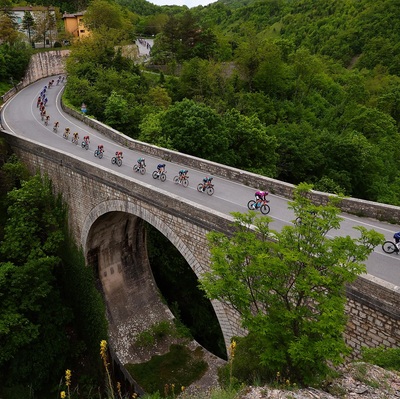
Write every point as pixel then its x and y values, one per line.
pixel 253 149
pixel 28 23
pixel 196 129
pixel 289 286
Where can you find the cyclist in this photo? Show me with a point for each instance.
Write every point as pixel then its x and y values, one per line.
pixel 160 168
pixel 43 114
pixel 207 181
pixel 100 148
pixel 183 174
pixel 76 137
pixel 397 240
pixel 56 125
pixel 141 163
pixel 67 132
pixel 118 155
pixel 86 139
pixel 47 120
pixel 260 196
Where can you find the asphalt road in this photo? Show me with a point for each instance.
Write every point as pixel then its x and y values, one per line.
pixel 21 117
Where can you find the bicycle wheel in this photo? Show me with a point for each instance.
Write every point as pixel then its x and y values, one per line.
pixel 185 182
pixel 176 179
pixel 96 153
pixel 100 155
pixel 210 190
pixel 389 247
pixel 86 146
pixel 83 144
pixel 142 171
pixel 113 160
pixel 163 177
pixel 119 162
pixel 251 205
pixel 155 174
pixel 265 209
pixel 199 187
pixel 135 168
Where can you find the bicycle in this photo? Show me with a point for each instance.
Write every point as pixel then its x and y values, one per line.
pixel 98 153
pixel 115 160
pixel 389 247
pixel 140 169
pixel 157 175
pixel 261 205
pixel 184 180
pixel 206 187
pixel 75 140
pixel 65 135
pixel 85 145
pixel 55 129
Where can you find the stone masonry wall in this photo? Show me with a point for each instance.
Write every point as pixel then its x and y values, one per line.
pixel 374 314
pixel 41 65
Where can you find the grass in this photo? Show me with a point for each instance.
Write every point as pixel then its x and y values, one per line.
pixel 178 368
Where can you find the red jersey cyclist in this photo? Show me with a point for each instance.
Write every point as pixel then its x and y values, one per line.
pixel 86 139
pixel 100 148
pixel 118 155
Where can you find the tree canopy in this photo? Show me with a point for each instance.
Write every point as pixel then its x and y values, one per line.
pixel 289 287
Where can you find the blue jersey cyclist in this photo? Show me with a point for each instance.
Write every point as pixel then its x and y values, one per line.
pixel 397 239
pixel 141 162
pixel 161 168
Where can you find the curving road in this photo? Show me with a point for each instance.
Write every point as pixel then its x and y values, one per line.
pixel 21 117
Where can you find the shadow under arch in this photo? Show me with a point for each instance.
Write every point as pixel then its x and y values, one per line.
pixel 112 206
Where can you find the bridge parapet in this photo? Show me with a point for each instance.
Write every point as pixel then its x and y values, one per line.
pixel 355 206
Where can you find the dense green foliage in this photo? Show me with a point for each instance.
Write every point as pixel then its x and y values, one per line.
pixel 52 316
pixel 388 358
pixel 290 292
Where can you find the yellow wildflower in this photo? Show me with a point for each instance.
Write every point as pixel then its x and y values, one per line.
pixel 62 395
pixel 68 377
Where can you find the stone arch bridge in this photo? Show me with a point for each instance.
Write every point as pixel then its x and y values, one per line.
pixel 107 212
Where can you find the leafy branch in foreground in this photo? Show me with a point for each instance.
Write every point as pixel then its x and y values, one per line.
pixel 289 286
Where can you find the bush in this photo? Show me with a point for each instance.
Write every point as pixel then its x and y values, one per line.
pixel 57 44
pixel 388 358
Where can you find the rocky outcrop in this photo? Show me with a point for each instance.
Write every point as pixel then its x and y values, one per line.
pixel 45 64
pixel 356 380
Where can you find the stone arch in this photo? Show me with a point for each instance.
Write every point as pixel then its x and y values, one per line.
pixel 134 209
pixel 223 314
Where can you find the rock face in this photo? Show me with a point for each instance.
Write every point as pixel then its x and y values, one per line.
pixel 357 380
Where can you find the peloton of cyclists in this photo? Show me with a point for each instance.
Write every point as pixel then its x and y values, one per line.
pixel 260 196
